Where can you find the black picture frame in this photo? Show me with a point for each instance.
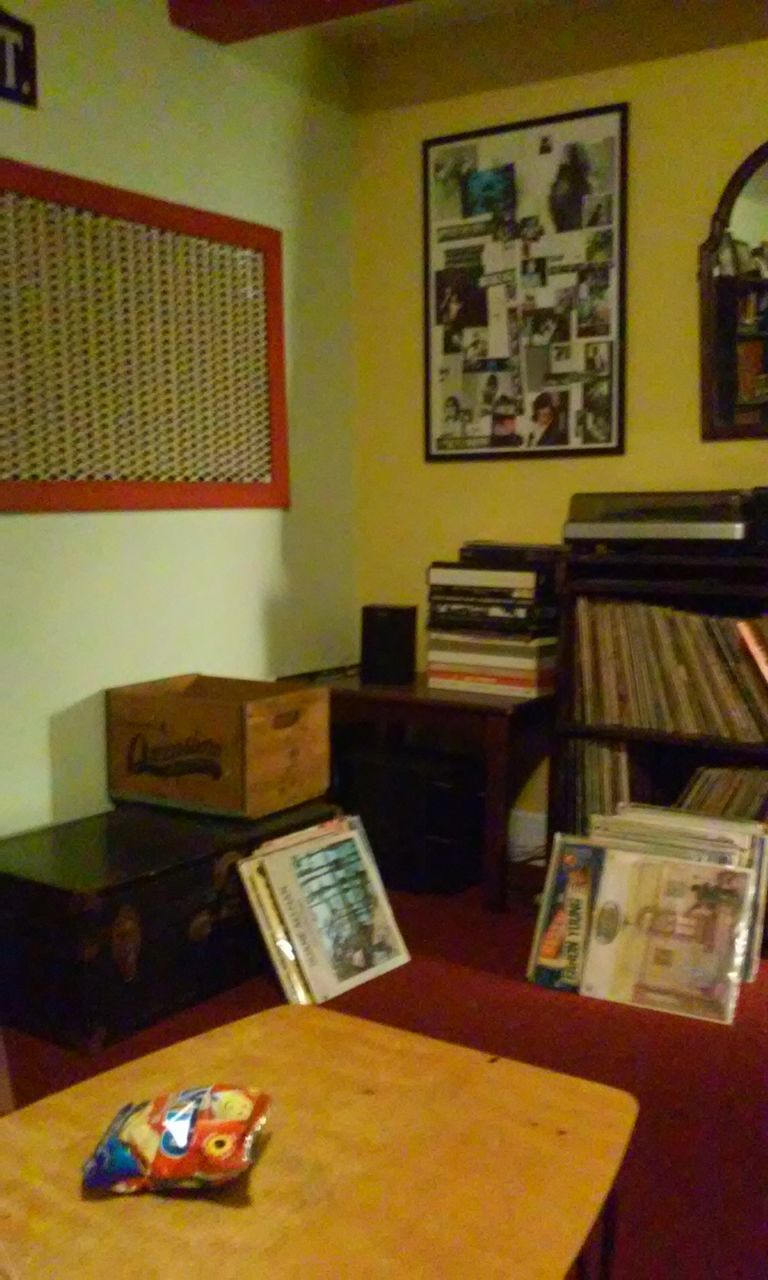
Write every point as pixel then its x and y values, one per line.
pixel 525 288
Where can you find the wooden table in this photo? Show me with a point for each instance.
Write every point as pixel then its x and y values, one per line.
pixel 511 735
pixel 389 1155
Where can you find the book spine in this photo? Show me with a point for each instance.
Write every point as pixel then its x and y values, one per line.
pixel 511 555
pixel 441 574
pixel 493 662
pixel 458 680
pixel 493 640
pixel 496 675
pixel 490 691
pixel 458 662
pixel 483 596
pixel 515 622
pixel 496 662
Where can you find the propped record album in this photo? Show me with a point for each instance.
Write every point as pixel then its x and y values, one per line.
pixel 319 900
pixel 562 929
pixel 669 934
pixel 727 841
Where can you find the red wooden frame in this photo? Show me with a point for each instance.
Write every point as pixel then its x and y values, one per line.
pixel 229 20
pixel 115 495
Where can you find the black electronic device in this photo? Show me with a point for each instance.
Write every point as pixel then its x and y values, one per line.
pixel 388 644
pixel 485 553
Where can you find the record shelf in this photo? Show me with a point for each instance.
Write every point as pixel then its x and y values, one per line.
pixel 659 763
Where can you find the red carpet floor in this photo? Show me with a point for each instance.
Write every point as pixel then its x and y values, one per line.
pixel 694 1186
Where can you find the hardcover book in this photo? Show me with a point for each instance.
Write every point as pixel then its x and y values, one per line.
pixel 320 903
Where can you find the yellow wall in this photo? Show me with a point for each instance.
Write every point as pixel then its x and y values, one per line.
pixel 692 120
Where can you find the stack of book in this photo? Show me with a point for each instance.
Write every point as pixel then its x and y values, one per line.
pixel 656 908
pixel 492 620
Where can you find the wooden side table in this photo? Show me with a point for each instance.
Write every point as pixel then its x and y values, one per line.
pixel 511 736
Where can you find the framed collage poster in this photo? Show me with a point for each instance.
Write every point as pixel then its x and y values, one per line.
pixel 524 247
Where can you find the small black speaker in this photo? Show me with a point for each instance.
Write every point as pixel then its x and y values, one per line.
pixel 388 649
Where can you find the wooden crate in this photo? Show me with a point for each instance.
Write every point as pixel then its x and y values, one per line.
pixel 241 747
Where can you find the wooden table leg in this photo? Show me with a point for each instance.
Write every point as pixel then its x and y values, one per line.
pixel 496 823
pixel 595 1261
pixel 6 1084
pixel 608 1235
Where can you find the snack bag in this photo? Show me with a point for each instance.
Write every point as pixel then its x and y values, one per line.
pixel 191 1139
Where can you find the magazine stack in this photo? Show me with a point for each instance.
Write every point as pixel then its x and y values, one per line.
pixel 658 908
pixel 492 620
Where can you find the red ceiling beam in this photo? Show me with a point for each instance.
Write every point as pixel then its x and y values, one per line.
pixel 229 20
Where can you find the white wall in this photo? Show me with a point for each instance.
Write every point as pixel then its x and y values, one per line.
pixel 89 601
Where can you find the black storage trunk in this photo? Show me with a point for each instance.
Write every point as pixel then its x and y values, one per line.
pixel 111 922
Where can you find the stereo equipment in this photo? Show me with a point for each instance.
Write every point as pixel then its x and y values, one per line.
pixel 388 647
pixel 717 520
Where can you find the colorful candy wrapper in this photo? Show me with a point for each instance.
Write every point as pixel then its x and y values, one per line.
pixel 193 1139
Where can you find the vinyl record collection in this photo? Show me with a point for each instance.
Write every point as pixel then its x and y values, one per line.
pixel 646 666
pixel 656 907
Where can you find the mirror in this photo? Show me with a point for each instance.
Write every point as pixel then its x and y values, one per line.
pixel 733 282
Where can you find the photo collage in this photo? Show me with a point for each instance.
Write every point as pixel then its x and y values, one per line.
pixel 524 230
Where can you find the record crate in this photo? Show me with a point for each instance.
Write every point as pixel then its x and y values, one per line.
pixel 214 744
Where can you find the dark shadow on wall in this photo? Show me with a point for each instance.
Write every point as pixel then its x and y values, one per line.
pixel 78 748
pixel 313 622
pixel 553 38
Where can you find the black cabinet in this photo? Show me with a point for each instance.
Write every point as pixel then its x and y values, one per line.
pixel 422 811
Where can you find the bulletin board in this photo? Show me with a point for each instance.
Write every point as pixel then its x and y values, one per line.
pixel 141 351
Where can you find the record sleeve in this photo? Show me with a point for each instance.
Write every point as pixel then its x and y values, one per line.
pixel 330 908
pixel 562 928
pixel 669 934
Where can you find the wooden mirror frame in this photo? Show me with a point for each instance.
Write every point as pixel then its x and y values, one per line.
pixel 714 426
